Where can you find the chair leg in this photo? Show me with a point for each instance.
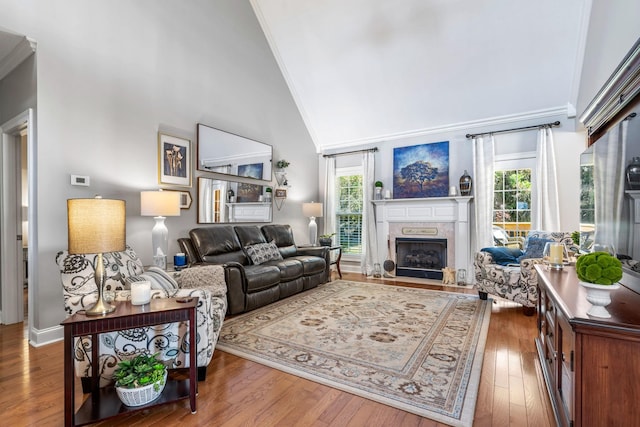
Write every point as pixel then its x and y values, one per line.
pixel 482 295
pixel 528 311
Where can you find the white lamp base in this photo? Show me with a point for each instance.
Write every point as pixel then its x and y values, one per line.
pixel 313 231
pixel 160 242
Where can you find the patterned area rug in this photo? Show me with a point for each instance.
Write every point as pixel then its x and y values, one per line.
pixel 414 349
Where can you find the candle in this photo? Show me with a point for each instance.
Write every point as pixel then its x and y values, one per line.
pixel 555 253
pixel 387 194
pixel 453 191
pixel 140 292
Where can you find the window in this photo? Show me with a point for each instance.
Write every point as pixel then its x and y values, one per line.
pixel 349 209
pixel 512 198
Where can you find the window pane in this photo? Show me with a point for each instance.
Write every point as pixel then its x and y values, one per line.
pixel 349 215
pixel 512 201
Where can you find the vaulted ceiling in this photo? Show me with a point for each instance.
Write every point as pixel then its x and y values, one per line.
pixel 364 71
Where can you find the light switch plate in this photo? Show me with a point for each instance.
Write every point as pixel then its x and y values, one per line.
pixel 80 180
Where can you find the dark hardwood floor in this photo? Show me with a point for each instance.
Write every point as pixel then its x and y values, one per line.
pixel 238 392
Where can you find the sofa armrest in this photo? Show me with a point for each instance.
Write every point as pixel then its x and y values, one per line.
pixel 319 251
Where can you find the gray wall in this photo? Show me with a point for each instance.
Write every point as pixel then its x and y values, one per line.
pixel 111 74
pixel 18 90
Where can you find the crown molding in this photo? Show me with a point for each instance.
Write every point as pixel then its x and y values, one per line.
pixel 25 48
pixel 462 126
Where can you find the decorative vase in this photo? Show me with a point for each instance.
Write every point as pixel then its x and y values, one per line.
pixel 633 174
pixel 378 193
pixel 465 184
pixel 599 296
pixel 141 395
pixel 325 241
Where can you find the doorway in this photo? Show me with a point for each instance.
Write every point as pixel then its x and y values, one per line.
pixel 16 218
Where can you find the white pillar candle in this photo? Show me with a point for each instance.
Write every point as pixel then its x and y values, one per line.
pixel 555 253
pixel 140 292
pixel 387 194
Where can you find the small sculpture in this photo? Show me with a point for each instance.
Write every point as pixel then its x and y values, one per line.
pixel 448 276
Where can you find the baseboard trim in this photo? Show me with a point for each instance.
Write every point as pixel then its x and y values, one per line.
pixel 40 337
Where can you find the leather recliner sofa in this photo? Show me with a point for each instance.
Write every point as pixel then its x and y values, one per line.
pixel 252 284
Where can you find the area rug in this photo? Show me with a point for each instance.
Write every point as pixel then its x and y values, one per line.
pixel 414 349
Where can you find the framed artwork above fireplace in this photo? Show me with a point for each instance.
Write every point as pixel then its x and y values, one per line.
pixel 421 171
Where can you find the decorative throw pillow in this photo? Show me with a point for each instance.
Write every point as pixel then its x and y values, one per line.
pixel 535 247
pixel 262 252
pixel 157 277
pixel 503 255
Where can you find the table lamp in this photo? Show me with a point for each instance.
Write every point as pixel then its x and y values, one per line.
pixel 96 226
pixel 312 210
pixel 160 204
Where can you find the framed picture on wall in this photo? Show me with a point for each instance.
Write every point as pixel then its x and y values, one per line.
pixel 174 160
pixel 281 193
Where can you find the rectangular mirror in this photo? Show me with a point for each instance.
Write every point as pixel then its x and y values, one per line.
pixel 221 201
pixel 229 154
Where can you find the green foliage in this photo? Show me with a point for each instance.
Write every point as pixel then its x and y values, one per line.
pixel 575 236
pixel 281 164
pixel 378 184
pixel 268 190
pixel 140 371
pixel 327 236
pixel 599 267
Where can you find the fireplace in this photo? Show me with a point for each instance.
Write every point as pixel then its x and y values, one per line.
pixel 421 257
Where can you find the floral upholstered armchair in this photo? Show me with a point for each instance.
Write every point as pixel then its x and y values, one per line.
pixel 170 340
pixel 509 272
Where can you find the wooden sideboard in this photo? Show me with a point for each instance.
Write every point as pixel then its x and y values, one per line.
pixel 591 366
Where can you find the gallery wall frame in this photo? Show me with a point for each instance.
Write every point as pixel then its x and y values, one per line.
pixel 174 160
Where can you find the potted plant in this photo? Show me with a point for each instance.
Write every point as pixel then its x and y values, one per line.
pixel 269 191
pixel 140 380
pixel 598 273
pixel 282 164
pixel 325 239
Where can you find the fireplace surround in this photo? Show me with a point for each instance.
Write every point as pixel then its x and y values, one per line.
pixel 426 218
pixel 421 257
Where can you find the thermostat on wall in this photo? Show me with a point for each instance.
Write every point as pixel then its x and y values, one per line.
pixel 80 180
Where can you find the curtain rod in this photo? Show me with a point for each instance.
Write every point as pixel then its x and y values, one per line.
pixel 473 135
pixel 374 149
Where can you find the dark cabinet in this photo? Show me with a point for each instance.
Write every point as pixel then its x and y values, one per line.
pixel 591 366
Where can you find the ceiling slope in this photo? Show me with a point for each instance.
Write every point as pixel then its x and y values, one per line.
pixel 371 70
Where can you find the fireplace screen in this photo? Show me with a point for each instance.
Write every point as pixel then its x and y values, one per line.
pixel 423 258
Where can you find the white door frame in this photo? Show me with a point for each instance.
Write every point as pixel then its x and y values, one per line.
pixel 12 285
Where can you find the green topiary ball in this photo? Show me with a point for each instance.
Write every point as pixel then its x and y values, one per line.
pixel 599 267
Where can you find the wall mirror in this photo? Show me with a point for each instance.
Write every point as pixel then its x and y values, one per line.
pixel 229 154
pixel 221 201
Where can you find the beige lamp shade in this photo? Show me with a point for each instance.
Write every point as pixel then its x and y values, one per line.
pixel 159 203
pixel 96 225
pixel 312 209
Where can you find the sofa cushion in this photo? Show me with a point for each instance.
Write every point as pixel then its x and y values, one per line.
pixel 535 246
pixel 261 277
pixel 290 268
pixel 503 255
pixel 310 264
pixel 262 252
pixel 282 236
pixel 218 245
pixel 249 235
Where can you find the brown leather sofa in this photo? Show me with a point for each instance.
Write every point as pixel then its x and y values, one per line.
pixel 251 285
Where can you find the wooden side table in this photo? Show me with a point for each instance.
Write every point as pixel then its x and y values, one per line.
pixel 104 402
pixel 336 261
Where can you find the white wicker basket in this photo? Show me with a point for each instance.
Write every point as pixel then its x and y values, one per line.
pixel 141 395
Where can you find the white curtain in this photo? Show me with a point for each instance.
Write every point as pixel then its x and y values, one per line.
pixel 483 158
pixel 330 196
pixel 609 187
pixel 369 238
pixel 545 212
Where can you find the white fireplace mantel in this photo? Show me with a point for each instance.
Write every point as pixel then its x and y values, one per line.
pixel 426 212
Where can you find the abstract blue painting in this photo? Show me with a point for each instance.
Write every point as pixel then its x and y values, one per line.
pixel 421 171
